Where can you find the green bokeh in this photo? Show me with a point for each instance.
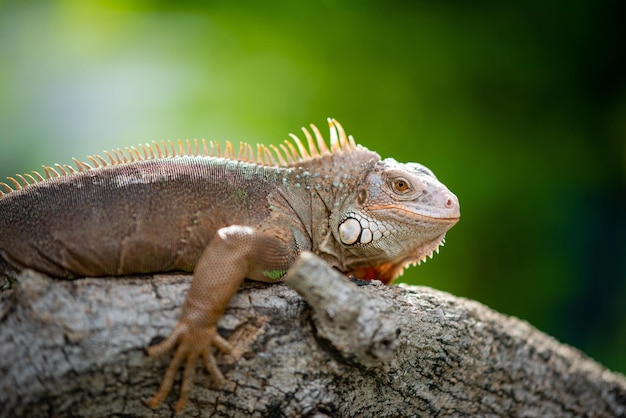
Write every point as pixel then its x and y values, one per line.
pixel 520 108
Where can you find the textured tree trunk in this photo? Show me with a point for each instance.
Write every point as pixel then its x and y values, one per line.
pixel 76 348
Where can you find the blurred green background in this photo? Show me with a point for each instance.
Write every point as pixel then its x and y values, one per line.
pixel 519 107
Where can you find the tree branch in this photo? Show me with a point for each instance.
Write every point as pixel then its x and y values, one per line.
pixel 76 348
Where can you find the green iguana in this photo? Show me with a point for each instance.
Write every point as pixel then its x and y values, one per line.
pixel 224 216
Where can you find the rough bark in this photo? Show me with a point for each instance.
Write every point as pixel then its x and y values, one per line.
pixel 76 348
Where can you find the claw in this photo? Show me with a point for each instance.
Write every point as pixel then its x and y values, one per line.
pixel 190 344
pixel 211 366
pixel 187 383
pixel 167 344
pixel 222 344
pixel 168 379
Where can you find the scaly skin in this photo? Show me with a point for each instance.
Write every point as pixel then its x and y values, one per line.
pixel 224 219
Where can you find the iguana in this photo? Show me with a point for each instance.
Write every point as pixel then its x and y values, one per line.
pixel 224 216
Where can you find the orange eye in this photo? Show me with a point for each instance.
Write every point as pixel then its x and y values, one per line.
pixel 401 185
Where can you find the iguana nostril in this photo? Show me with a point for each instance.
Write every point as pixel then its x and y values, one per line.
pixel 452 204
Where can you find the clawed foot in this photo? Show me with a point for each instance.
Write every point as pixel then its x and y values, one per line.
pixel 191 343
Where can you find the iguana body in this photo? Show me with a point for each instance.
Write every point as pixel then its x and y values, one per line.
pixel 225 218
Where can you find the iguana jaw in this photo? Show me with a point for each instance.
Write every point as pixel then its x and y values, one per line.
pixel 388 271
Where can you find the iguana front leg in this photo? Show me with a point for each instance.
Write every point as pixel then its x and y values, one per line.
pixel 236 252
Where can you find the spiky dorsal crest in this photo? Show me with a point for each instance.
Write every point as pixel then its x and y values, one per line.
pixel 284 155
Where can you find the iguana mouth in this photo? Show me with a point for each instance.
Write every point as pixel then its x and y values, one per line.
pixel 412 215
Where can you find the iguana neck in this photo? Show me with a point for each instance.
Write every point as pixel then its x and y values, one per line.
pixel 333 182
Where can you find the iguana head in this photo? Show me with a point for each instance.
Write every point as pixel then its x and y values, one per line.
pixel 400 216
pixel 384 215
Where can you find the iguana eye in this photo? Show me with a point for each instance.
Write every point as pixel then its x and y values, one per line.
pixel 401 185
